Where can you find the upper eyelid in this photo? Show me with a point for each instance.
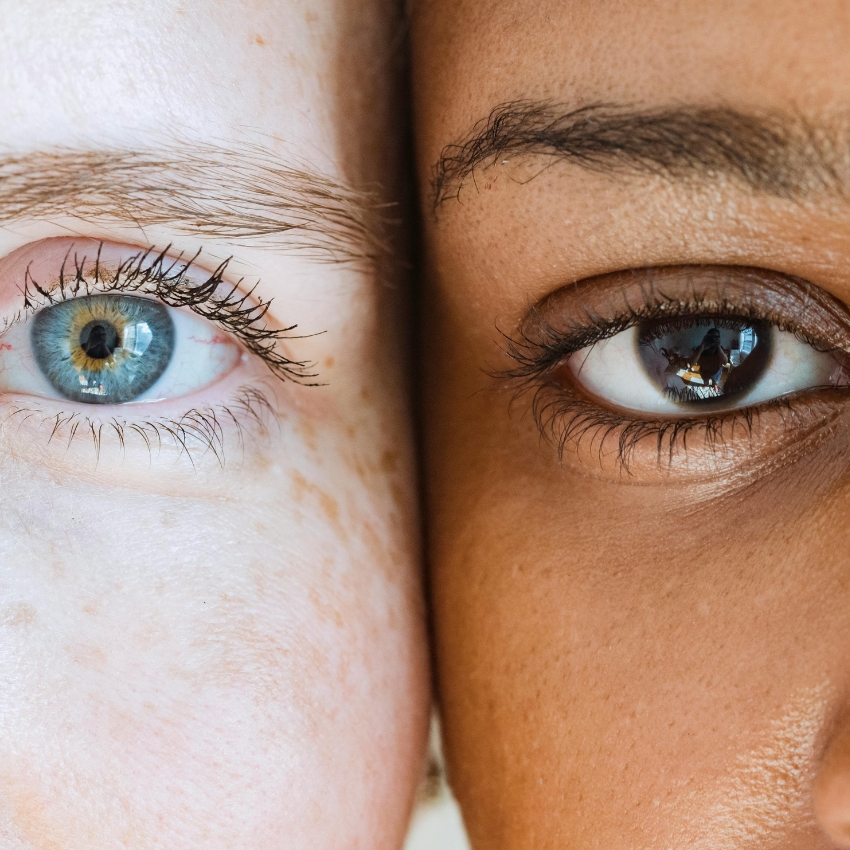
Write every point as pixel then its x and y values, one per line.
pixel 176 282
pixel 596 308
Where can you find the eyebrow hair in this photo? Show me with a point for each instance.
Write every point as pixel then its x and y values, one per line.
pixel 241 192
pixel 775 154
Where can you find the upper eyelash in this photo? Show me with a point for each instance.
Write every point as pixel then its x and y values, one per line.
pixel 167 279
pixel 536 355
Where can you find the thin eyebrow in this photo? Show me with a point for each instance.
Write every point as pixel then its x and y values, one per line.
pixel 243 193
pixel 780 155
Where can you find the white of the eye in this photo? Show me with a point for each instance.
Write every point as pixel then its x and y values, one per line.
pixel 202 353
pixel 612 371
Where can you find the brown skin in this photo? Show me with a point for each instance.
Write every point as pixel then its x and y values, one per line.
pixel 613 673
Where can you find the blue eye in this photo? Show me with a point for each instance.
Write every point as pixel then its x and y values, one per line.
pixel 103 349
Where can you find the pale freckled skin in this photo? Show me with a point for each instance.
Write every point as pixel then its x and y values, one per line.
pixel 214 648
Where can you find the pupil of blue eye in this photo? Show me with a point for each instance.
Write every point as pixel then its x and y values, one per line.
pixel 103 349
pixel 698 360
pixel 99 340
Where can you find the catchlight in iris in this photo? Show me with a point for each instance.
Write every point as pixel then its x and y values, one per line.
pixel 103 349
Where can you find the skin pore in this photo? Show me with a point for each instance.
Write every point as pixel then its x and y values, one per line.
pixel 641 628
pixel 211 627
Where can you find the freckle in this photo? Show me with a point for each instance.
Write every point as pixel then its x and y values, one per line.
pixel 259 40
pixel 351 432
pixel 92 607
pixel 308 433
pixel 90 657
pixel 365 394
pixel 329 361
pixel 299 486
pixel 18 616
pixel 389 461
pixel 326 611
pixel 260 527
pixel 331 508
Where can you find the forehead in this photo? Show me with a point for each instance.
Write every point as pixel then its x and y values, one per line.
pixel 473 55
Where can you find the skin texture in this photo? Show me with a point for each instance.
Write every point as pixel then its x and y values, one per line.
pixel 199 653
pixel 652 658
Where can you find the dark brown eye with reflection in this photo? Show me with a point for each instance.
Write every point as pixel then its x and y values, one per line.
pixel 630 367
pixel 698 360
pixel 686 341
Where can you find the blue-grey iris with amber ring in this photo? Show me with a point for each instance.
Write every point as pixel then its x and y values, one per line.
pixel 103 349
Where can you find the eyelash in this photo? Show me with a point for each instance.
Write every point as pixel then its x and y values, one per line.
pixel 167 279
pixel 194 433
pixel 565 417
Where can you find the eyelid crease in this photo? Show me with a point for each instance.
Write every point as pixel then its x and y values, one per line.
pixel 579 315
pixel 169 279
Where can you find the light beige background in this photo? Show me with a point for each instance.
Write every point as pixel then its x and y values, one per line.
pixel 437 825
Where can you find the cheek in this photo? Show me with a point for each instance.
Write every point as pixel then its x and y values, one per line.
pixel 238 658
pixel 680 696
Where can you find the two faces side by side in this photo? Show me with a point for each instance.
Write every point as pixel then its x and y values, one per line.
pixel 635 357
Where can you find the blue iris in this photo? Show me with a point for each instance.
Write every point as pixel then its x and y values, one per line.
pixel 103 349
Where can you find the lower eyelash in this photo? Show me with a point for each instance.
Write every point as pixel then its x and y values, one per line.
pixel 567 419
pixel 195 433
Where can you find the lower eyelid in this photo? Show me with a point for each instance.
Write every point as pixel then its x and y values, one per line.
pixel 116 442
pixel 631 449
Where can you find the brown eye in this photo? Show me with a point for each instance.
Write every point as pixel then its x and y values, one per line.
pixel 697 361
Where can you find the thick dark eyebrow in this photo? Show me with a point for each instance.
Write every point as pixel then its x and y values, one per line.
pixel 244 193
pixel 780 155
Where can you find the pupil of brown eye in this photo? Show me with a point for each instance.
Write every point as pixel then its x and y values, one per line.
pixel 701 360
pixel 99 340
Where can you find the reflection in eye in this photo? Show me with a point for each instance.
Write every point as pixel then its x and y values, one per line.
pixel 103 349
pixel 692 364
